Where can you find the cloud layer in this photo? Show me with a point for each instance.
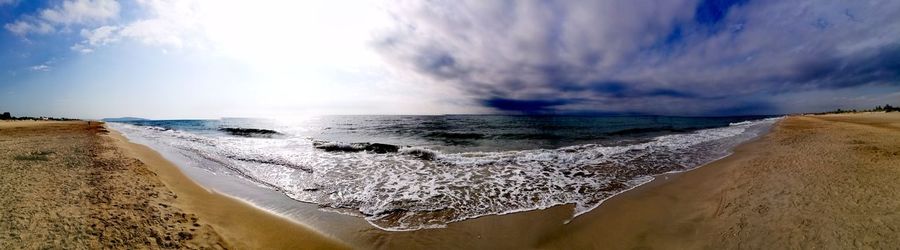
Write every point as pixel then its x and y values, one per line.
pixel 670 57
pixel 681 57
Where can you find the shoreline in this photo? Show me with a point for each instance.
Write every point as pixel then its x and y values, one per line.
pixel 241 223
pixel 563 214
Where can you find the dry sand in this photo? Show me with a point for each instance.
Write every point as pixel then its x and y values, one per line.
pixel 64 185
pixel 75 185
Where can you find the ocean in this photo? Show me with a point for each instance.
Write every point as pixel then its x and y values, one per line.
pixel 414 172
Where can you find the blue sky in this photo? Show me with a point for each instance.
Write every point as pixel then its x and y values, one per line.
pixel 210 59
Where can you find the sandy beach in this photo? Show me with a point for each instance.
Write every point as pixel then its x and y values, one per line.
pixel 812 182
pixel 77 185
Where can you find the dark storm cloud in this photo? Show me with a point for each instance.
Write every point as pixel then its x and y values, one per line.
pixel 712 12
pixel 881 64
pixel 526 106
pixel 673 56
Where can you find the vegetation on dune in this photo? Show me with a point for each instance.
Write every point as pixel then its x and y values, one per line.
pixel 8 116
pixel 885 108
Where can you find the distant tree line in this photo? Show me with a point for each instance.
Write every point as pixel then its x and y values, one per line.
pixel 885 108
pixel 8 116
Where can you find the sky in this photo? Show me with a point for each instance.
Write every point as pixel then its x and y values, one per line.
pixel 173 59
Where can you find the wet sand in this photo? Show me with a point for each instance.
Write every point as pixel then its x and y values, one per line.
pixel 75 185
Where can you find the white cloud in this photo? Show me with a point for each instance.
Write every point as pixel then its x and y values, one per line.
pixel 154 32
pixel 21 28
pixel 167 24
pixel 40 67
pixel 81 11
pixel 100 36
pixel 81 48
pixel 70 12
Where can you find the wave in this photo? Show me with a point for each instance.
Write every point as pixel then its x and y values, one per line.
pixel 378 148
pixel 739 123
pixel 158 128
pixel 421 153
pixel 250 132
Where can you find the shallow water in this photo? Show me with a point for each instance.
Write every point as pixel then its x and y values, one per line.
pixel 447 168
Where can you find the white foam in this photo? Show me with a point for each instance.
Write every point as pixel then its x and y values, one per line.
pixel 740 123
